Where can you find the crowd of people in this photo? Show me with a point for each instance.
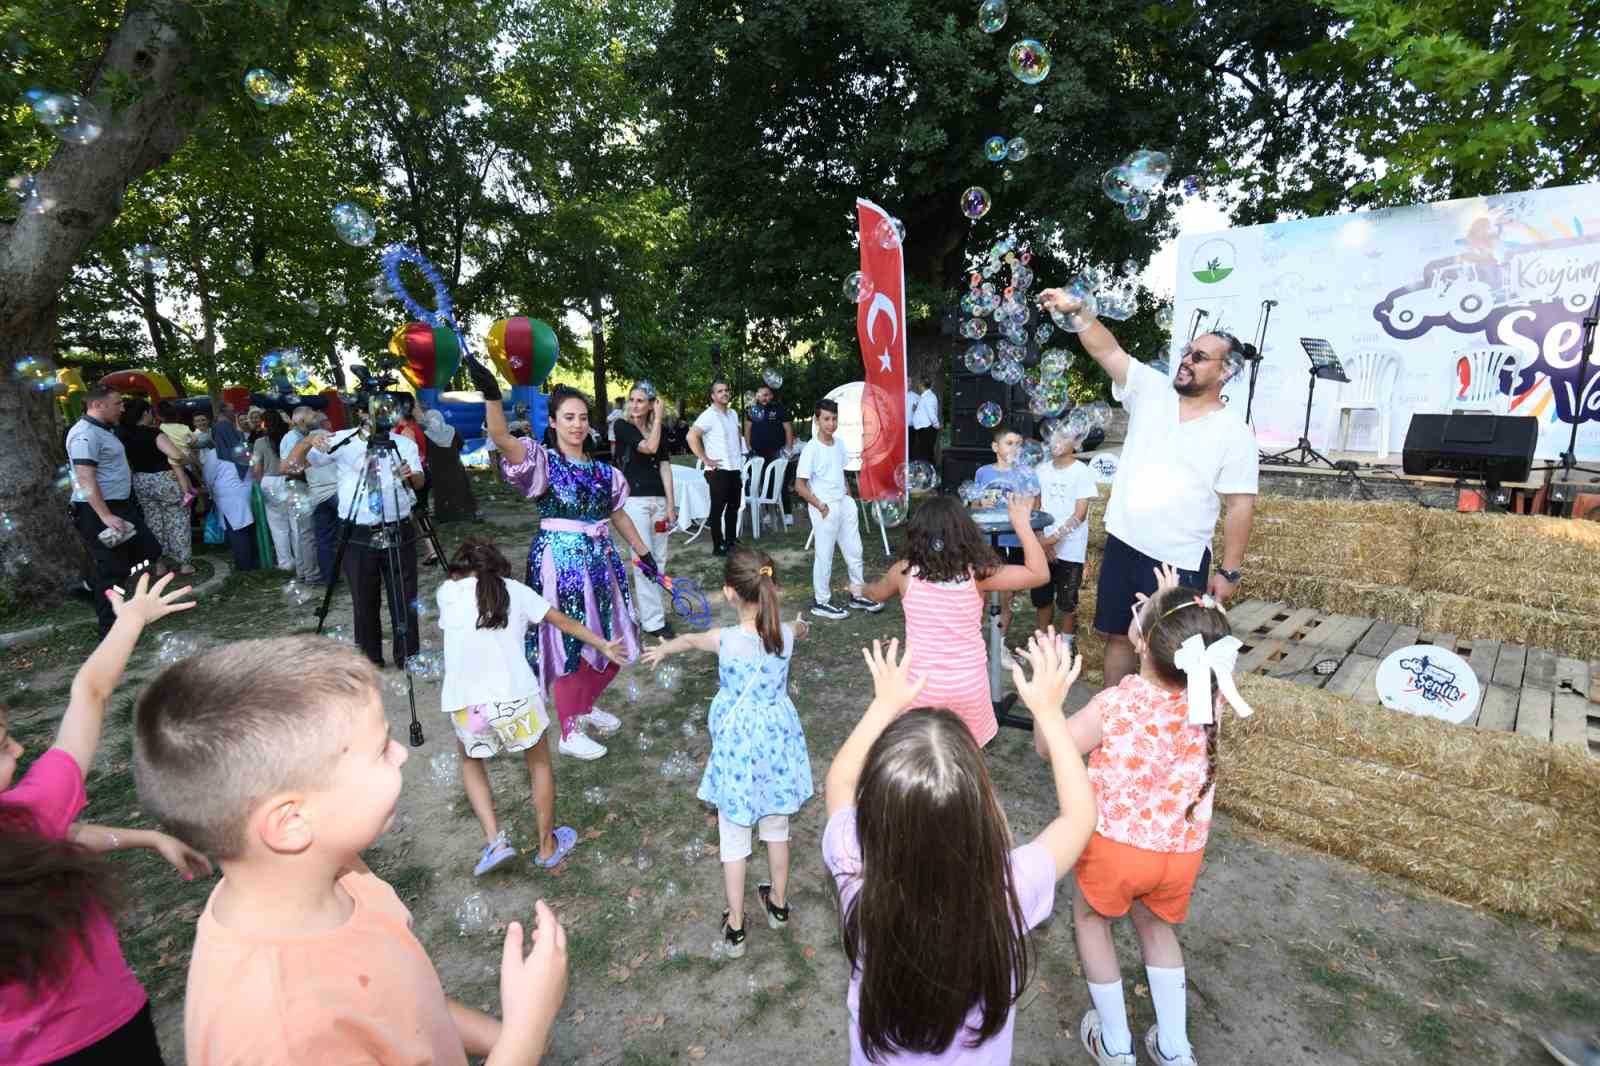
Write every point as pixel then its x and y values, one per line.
pixel 302 954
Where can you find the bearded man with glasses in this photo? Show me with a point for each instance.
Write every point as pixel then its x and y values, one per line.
pixel 1185 459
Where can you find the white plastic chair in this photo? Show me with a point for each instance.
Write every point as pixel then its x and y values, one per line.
pixel 749 491
pixel 770 494
pixel 1484 367
pixel 1372 376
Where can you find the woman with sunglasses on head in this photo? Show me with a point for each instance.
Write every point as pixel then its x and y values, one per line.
pixel 1185 459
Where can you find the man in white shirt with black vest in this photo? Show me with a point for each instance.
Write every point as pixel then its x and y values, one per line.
pixel 1186 454
pixel 382 535
pixel 924 418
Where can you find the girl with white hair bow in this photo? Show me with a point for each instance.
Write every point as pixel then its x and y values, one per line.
pixel 1152 748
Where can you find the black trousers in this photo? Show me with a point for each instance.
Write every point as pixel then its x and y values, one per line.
pixel 135 1042
pixel 110 566
pixel 242 543
pixel 787 488
pixel 369 570
pixel 724 486
pixel 923 443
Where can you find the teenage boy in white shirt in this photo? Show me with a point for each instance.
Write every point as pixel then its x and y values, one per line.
pixel 1065 488
pixel 820 482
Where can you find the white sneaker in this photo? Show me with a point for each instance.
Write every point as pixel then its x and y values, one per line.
pixel 1089 1031
pixel 788 520
pixel 1152 1046
pixel 602 722
pixel 577 745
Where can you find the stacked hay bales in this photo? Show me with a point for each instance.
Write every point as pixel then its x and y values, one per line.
pixel 1491 819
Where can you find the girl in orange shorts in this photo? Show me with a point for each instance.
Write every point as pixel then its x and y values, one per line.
pixel 1152 747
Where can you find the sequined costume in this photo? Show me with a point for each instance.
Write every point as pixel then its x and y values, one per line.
pixel 573 564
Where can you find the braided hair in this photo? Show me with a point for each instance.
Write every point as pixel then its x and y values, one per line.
pixel 1169 618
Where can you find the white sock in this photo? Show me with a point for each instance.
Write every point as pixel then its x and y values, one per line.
pixel 1169 997
pixel 1114 1031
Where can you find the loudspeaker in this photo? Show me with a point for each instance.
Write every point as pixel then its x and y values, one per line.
pixel 968 392
pixel 1492 448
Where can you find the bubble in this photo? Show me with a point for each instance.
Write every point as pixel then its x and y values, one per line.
pixel 8 525
pixel 645 742
pixel 992 15
pixel 632 689
pixel 1030 61
pixel 889 233
pixel 174 647
pixel 994 149
pixel 678 765
pixel 338 298
pixel 241 452
pixel 916 476
pixel 1005 175
pixel 974 329
pixel 353 224
pixel 1031 453
pixel 688 729
pixel 1016 149
pixel 150 259
pixel 1098 413
pixel 989 414
pixel 1021 279
pixel 858 288
pixel 643 860
pixel 337 633
pixel 1055 361
pixel 69 116
pixel 445 768
pixel 397 687
pixel 1137 208
pixel 1008 371
pixel 297 594
pixel 243 266
pixel 265 87
pixel 472 915
pixel 893 511
pixel 37 373
pixel 31 200
pixel 1191 186
pixel 1147 169
pixel 975 202
pixel 594 795
pixel 1164 317
pixel 773 379
pixel 1078 320
pixel 425 666
pixel 668 676
pixel 1117 183
pixel 311 307
pixel 978 358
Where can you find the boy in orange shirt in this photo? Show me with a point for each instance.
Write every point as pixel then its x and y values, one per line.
pixel 302 953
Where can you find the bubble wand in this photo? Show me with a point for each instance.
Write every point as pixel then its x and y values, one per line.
pixel 688 602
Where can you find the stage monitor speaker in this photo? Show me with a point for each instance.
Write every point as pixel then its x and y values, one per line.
pixel 968 392
pixel 1491 448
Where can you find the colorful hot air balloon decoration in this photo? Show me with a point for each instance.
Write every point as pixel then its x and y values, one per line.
pixel 429 355
pixel 525 349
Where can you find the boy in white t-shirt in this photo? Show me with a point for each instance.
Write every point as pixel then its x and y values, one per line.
pixel 819 480
pixel 1065 488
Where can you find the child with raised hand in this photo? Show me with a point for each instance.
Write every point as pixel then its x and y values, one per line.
pixel 935 900
pixel 65 990
pixel 1152 759
pixel 492 696
pixel 759 772
pixel 302 953
pixel 944 572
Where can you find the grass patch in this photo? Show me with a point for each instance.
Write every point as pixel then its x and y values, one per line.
pixel 1578 1003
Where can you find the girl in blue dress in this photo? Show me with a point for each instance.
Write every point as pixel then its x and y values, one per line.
pixel 572 562
pixel 759 772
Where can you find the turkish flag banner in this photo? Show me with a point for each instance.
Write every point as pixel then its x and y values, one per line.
pixel 881 327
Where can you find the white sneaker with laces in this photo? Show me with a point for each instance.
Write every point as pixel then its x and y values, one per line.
pixel 1089 1031
pixel 603 722
pixel 577 745
pixel 1152 1045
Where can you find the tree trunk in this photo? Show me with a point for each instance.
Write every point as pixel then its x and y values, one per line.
pixel 37 253
pixel 597 332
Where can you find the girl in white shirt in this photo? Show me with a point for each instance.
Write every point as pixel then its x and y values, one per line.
pixel 491 694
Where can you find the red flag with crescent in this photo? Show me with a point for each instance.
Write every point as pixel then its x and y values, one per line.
pixel 881 328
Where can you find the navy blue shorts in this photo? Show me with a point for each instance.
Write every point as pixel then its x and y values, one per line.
pixel 1125 572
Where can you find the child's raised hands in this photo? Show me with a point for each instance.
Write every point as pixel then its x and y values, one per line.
pixel 891 675
pixel 1019 509
pixel 1054 671
pixel 612 649
pixel 1166 578
pixel 149 602
pixel 653 656
pixel 531 987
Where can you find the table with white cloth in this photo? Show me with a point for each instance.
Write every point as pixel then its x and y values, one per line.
pixel 692 497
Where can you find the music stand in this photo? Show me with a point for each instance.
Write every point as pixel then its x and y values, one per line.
pixel 1324 364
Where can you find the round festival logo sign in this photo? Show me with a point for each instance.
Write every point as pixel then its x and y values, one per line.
pixel 1213 261
pixel 1427 680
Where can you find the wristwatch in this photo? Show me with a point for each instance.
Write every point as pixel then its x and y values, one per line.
pixel 1231 576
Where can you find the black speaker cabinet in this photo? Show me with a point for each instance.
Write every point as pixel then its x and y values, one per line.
pixel 968 392
pixel 1491 448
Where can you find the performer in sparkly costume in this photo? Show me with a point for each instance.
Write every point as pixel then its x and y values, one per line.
pixel 572 563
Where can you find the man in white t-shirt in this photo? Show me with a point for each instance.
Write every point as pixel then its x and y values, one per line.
pixel 716 441
pixel 819 480
pixel 1065 488
pixel 924 419
pixel 1185 454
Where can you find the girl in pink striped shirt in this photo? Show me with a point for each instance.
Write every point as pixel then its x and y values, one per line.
pixel 942 576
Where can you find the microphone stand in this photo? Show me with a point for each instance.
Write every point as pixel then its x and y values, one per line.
pixel 1569 458
pixel 1194 322
pixel 1255 363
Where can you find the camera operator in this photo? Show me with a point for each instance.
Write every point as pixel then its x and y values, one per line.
pixel 379 525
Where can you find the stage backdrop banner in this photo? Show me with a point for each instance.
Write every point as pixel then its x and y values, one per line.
pixel 1420 293
pixel 880 325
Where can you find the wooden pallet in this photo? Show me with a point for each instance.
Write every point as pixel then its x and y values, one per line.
pixel 1530 691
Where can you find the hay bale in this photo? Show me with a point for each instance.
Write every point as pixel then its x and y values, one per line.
pixel 1546 563
pixel 1336 594
pixel 1482 617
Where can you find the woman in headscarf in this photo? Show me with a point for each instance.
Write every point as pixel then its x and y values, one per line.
pixel 453 500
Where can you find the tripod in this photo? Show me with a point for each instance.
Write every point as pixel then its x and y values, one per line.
pixel 389 538
pixel 1324 364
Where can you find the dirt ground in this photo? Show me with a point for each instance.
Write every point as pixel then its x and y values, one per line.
pixel 1293 957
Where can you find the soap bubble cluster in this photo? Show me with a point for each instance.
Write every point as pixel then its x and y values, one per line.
pixel 472 915
pixel 353 224
pixel 425 666
pixel 668 676
pixel 444 769
pixel 594 795
pixel 678 765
